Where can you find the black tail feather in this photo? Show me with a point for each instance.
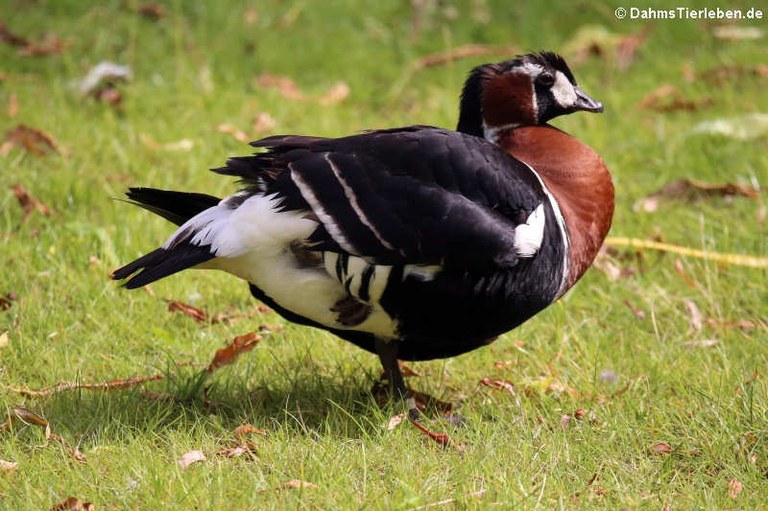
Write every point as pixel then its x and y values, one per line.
pixel 177 207
pixel 161 263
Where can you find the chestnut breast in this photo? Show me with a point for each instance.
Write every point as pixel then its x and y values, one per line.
pixel 577 178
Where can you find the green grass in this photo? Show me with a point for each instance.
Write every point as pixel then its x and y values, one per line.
pixel 193 70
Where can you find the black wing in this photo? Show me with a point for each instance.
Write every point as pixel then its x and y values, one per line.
pixel 416 195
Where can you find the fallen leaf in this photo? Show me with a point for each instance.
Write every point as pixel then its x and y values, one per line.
pixel 462 52
pixel 738 33
pixel 189 310
pixel 637 311
pixel 629 45
pixel 704 343
pixel 101 82
pixel 184 144
pixel 284 85
pixel 239 345
pixel 7 466
pixel 478 494
pixel 13 106
pixel 241 432
pixel 565 421
pixel 722 74
pixel 294 484
pixel 660 448
pixel 500 384
pixel 691 190
pixel 395 421
pixel 263 123
pixel 6 302
pixel 4 342
pixel 336 94
pixel 72 504
pixel 238 450
pixel 108 385
pixel 50 44
pixel 250 16
pixel 406 370
pixel 680 270
pixel 9 37
pixel 28 203
pixel 743 127
pixel 190 458
pixel 696 318
pixel 668 98
pixel 152 11
pixel 741 323
pixel 30 139
pixel 734 488
pixel 230 129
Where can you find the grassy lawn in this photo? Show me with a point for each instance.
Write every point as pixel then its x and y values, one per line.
pixel 643 391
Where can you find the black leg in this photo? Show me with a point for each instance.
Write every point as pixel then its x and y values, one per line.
pixel 387 351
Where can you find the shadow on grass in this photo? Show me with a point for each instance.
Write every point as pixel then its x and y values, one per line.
pixel 190 402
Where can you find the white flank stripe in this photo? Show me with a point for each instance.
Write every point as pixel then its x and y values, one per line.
pixel 350 194
pixel 560 224
pixel 529 236
pixel 322 214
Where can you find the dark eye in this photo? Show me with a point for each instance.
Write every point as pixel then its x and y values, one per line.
pixel 546 79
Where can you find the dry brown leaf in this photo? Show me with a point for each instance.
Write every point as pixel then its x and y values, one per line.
pixel 66 385
pixel 660 448
pixel 395 421
pixel 463 52
pixel 239 345
pixel 294 484
pixel 406 370
pixel 189 458
pixel 13 106
pixel 152 11
pixel 637 311
pixel 50 44
pixel 336 94
pixel 704 343
pixel 738 33
pixel 238 450
pixel 30 139
pixel 188 310
pixel 565 421
pixel 9 37
pixel 243 431
pixel 284 85
pixel 734 488
pixel 668 98
pixel 629 45
pixel 236 133
pixel 739 323
pixel 8 466
pixel 723 74
pixel 691 190
pixel 250 16
pixel 4 342
pixel 499 384
pixel 72 504
pixel 696 318
pixel 6 302
pixel 28 203
pixel 184 144
pixel 263 123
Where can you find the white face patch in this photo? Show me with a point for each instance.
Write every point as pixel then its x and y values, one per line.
pixel 563 91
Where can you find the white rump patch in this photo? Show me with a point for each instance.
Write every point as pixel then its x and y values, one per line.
pixel 529 236
pixel 563 91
